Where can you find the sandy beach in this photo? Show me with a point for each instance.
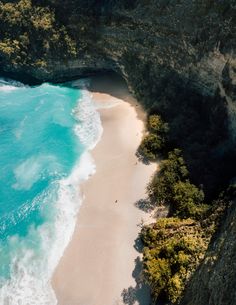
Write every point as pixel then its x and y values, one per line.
pixel 101 265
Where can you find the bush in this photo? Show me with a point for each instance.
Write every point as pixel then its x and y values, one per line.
pixel 156 125
pixel 171 171
pixel 151 146
pixel 25 24
pixel 187 200
pixel 173 249
pixel 154 142
pixel 171 186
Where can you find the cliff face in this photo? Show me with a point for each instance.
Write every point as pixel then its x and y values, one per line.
pixel 179 59
pixel 193 39
pixel 214 282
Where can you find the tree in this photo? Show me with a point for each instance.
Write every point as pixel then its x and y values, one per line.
pixel 171 186
pixel 173 250
pixel 187 200
pixel 150 146
pixel 154 142
pixel 171 171
pixel 156 125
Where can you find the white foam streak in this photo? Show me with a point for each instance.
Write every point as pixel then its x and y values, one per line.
pixel 87 113
pixel 6 88
pixel 9 85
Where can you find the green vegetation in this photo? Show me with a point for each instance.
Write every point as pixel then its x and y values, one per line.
pixel 188 200
pixel 31 34
pixel 151 146
pixel 171 186
pixel 156 125
pixel 154 142
pixel 173 246
pixel 173 249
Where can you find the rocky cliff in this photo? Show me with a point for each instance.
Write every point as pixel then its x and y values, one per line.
pixel 179 59
pixel 192 38
pixel 214 282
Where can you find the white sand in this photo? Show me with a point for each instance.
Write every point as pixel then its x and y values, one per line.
pixel 101 261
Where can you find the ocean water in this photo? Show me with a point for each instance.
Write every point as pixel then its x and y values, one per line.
pixel 46 133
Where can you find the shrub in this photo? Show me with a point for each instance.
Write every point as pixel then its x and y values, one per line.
pixel 154 142
pixel 187 200
pixel 151 146
pixel 26 24
pixel 156 125
pixel 171 171
pixel 171 186
pixel 173 249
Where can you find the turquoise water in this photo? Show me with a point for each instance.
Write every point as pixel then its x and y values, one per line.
pixel 44 134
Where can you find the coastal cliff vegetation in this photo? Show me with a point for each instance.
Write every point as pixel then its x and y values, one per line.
pixel 155 140
pixel 173 250
pixel 171 186
pixel 31 34
pixel 175 246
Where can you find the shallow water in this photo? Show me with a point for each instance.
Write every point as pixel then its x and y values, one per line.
pixel 45 134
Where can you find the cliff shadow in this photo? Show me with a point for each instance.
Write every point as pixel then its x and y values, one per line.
pixel 140 293
pixel 110 83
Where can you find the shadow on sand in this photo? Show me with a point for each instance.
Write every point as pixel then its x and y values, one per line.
pixel 140 294
pixel 148 206
pixel 142 158
pixel 145 205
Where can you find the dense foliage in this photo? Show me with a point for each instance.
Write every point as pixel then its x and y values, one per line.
pixel 171 186
pixel 155 140
pixel 32 34
pixel 173 248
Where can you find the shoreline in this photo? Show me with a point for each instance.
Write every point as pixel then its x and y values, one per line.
pixel 101 264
